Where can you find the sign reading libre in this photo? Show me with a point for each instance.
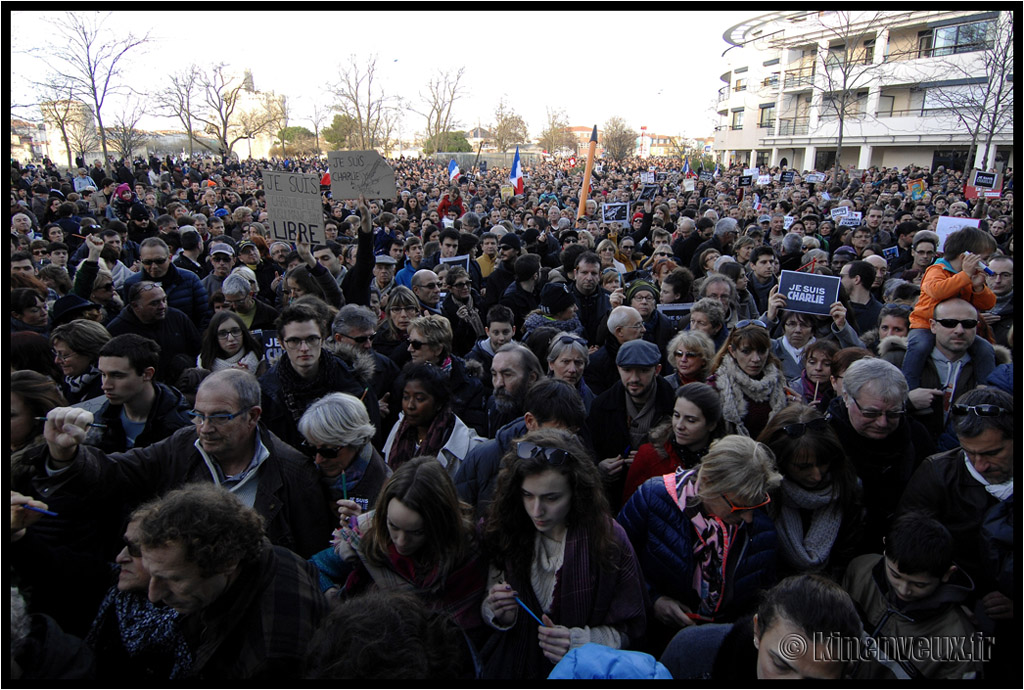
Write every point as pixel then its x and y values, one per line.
pixel 295 206
pixel 809 293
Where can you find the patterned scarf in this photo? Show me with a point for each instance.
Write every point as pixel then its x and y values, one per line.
pixel 299 393
pixel 75 384
pixel 405 446
pixel 711 545
pixel 735 386
pixel 807 551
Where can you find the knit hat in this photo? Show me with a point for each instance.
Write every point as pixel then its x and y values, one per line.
pixel 510 240
pixel 555 298
pixel 638 353
pixel 639 286
pixel 70 307
pixel 138 212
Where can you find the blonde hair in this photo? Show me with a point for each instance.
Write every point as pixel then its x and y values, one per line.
pixel 740 466
pixel 436 329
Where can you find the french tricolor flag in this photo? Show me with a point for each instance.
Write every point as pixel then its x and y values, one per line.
pixel 686 167
pixel 453 171
pixel 516 175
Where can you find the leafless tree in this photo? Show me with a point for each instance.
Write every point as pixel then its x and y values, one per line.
pixel 284 113
pixel 181 98
pixel 259 120
pixel 509 128
pixel 556 134
pixel 443 90
pixel 56 102
pixel 318 119
pixel 82 53
pixel 125 135
pixel 618 140
pixel 360 97
pixel 82 136
pixel 223 114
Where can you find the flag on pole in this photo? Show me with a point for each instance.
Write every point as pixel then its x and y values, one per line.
pixel 686 167
pixel 515 176
pixel 453 171
pixel 718 170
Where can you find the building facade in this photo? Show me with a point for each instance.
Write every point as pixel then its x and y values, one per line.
pixel 898 79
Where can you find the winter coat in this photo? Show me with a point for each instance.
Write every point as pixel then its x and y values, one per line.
pixel 167 414
pixel 176 334
pixel 454 452
pixel 477 475
pixel 184 291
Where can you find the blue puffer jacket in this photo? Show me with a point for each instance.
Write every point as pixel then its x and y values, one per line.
pixel 663 540
pixel 184 290
pixel 478 473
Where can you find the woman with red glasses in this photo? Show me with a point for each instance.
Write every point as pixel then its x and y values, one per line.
pixel 695 529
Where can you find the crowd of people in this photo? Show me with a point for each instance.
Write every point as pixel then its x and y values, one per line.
pixel 474 434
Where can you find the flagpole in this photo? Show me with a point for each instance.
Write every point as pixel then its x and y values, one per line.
pixel 585 190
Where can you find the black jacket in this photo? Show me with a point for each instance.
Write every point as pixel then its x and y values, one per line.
pixel 167 415
pixel 177 336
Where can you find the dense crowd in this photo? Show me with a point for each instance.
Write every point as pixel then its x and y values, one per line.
pixel 478 434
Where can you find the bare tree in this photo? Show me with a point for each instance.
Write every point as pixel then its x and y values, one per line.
pixel 223 114
pixel 81 53
pixel 509 128
pixel 360 97
pixel 57 100
pixel 389 122
pixel 556 134
pixel 443 90
pixel 618 140
pixel 82 136
pixel 284 112
pixel 984 110
pixel 181 98
pixel 124 134
pixel 258 120
pixel 318 119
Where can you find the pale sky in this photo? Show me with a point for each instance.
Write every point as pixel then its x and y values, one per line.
pixel 655 69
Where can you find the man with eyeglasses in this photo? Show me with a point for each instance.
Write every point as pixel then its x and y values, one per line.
pixel 240 297
pixel 307 373
pixel 136 409
pixel 624 324
pixel 427 288
pixel 1000 317
pixel 222 260
pixel 884 444
pixel 963 486
pixel 226 444
pixel 184 289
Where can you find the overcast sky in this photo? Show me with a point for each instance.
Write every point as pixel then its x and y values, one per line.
pixel 655 69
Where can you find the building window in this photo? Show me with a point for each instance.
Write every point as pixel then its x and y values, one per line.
pixel 767 120
pixel 948 40
pixel 869 51
pixel 763 158
pixel 737 119
pixel 741 85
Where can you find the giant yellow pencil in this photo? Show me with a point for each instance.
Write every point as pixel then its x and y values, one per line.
pixel 585 191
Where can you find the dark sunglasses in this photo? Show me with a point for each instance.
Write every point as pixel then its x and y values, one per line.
pixel 108 286
pixel 554 456
pixel 134 550
pixel 750 322
pixel 417 344
pixel 798 429
pixel 968 324
pixel 979 410
pixel 326 452
pixel 158 262
pixel 461 284
pixel 360 339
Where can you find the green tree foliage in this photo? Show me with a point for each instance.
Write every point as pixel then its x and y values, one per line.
pixel 454 142
pixel 339 135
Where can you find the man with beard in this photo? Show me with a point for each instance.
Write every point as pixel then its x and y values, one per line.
pixel 513 370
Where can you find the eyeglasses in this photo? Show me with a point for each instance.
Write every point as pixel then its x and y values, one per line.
pixel 635 326
pixel 968 324
pixel 309 341
pixel 740 509
pixel 134 550
pixel 219 259
pixel 798 429
pixel 326 452
pixel 108 286
pixel 158 262
pixel 554 456
pixel 230 333
pixel 680 354
pixel 461 284
pixel 750 322
pixel 215 419
pixel 891 415
pixel 979 410
pixel 429 286
pixel 417 344
pixel 356 339
pixel 63 356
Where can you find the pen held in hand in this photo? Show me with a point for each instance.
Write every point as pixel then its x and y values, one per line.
pixel 527 609
pixel 38 510
pixel 93 425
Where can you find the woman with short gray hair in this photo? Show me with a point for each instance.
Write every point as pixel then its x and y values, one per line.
pixel 338 435
pixel 568 356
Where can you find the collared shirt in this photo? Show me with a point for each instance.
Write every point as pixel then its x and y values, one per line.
pixel 948 371
pixel 245 483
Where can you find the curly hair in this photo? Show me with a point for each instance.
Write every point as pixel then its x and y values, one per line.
pixel 213 526
pixel 509 533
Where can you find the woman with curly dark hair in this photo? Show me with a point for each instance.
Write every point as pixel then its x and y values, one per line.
pixel 562 570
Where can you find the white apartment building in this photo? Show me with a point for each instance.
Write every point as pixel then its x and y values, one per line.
pixel 902 72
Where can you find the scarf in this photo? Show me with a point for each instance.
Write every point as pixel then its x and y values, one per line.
pixel 711 546
pixel 240 360
pixel 1001 491
pixel 639 419
pixel 735 386
pixel 405 446
pixel 143 628
pixel 75 384
pixel 807 551
pixel 298 393
pixel 824 394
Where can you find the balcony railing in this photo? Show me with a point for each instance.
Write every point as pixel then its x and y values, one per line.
pixel 795 78
pixel 766 124
pixel 920 112
pixel 735 128
pixel 793 126
pixel 723 94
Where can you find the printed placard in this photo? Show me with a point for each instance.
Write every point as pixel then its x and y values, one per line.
pixel 764 180
pixel 272 348
pixel 483 167
pixel 646 178
pixel 787 177
pixel 615 213
pixel 706 176
pixel 460 260
pixel 360 172
pixel 809 293
pixel 839 212
pixel 675 312
pixel 660 177
pixel 753 172
pixel 295 206
pixel 745 181
pixel 852 218
pixel 649 192
pixel 689 184
pixel 507 191
pixel 985 180
pixel 947 225
pixel 814 177
pixel 891 253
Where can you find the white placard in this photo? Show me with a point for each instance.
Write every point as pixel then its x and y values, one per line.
pixel 787 221
pixel 295 206
pixel 764 180
pixel 852 218
pixel 947 225
pixel 839 212
pixel 360 172
pixel 753 172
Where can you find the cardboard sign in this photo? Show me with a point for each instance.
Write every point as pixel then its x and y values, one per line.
pixel 753 172
pixel 745 181
pixel 649 192
pixel 295 206
pixel 272 347
pixel 787 177
pixel 814 177
pixel 615 213
pixel 689 184
pixel 460 260
pixel 764 180
pixel 809 293
pixel 787 221
pixel 852 218
pixel 360 172
pixel 507 191
pixel 947 225
pixel 839 212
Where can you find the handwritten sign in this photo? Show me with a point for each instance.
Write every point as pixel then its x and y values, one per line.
pixel 947 225
pixel 689 184
pixel 787 221
pixel 809 293
pixel 295 206
pixel 360 172
pixel 852 219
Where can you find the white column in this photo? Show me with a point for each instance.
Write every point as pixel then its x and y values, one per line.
pixel 774 158
pixel 809 153
pixel 864 162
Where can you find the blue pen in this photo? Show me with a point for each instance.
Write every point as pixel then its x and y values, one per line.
pixel 38 510
pixel 527 609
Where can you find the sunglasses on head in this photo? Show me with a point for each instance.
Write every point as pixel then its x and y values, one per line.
pixel 979 410
pixel 798 429
pixel 554 456
pixel 968 324
pixel 750 322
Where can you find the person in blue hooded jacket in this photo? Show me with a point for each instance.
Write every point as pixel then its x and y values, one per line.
pixel 705 543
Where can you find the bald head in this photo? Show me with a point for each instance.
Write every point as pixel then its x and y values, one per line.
pixel 625 323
